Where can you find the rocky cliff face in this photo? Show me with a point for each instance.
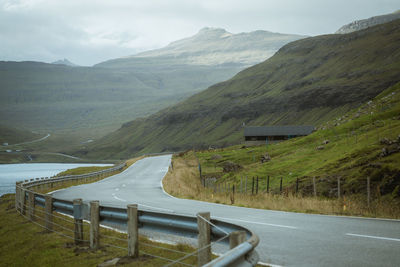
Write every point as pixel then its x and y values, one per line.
pixel 366 23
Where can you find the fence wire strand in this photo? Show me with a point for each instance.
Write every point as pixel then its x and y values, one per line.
pixel 166 259
pixel 209 222
pixel 113 237
pixel 54 215
pixel 43 226
pixel 197 251
pixel 114 246
pixel 167 249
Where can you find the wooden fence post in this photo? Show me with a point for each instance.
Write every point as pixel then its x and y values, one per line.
pixel 268 184
pixel 368 191
pixel 23 201
pixel 314 187
pixel 94 224
pixel 252 186
pixel 257 186
pixel 338 187
pixel 133 233
pixel 297 185
pixel 78 222
pixel 236 238
pixel 245 186
pixel 48 208
pixel 280 187
pixel 204 239
pixel 17 197
pixel 233 195
pixel 31 201
pixel 241 184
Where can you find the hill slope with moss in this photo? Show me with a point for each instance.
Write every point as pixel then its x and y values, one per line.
pixel 13 136
pixel 309 81
pixel 362 143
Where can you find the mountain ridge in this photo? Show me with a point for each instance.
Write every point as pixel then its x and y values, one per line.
pixel 215 46
pixel 308 81
pixel 64 62
pixel 60 98
pixel 366 23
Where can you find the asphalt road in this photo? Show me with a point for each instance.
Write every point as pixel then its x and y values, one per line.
pixel 287 239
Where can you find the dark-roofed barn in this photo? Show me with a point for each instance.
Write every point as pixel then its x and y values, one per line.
pixel 268 134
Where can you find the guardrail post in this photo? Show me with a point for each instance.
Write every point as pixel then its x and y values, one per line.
pixel 204 239
pixel 78 222
pixel 23 201
pixel 236 238
pixel 17 196
pixel 133 234
pixel 31 201
pixel 94 225
pixel 48 208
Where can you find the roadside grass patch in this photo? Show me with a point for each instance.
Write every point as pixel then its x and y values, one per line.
pixel 363 143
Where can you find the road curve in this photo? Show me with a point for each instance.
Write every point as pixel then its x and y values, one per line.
pixel 287 239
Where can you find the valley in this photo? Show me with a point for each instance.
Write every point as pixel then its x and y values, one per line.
pixel 309 81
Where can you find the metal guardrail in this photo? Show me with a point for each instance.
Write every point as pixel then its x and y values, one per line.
pixel 55 179
pixel 173 224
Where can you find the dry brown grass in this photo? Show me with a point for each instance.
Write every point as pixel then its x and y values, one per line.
pixel 183 181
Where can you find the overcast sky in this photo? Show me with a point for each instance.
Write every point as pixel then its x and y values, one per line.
pixel 90 31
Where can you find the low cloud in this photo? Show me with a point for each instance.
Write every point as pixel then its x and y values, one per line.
pixel 88 32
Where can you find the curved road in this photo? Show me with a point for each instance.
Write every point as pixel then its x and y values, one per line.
pixel 287 239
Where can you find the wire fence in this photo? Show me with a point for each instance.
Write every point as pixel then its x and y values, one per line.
pixel 35 207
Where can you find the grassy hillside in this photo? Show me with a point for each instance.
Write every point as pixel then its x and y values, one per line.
pixel 93 101
pixel 16 136
pixel 363 143
pixel 309 81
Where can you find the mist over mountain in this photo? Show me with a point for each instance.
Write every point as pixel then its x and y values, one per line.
pixel 365 23
pixel 92 101
pixel 211 47
pixel 309 81
pixel 65 62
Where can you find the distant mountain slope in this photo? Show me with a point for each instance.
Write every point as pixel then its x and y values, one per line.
pixel 211 46
pixel 13 136
pixel 92 101
pixel 64 62
pixel 365 23
pixel 308 81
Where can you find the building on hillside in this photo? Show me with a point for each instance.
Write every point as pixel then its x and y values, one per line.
pixel 255 135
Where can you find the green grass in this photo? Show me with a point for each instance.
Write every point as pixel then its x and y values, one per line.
pixel 24 243
pixel 83 170
pixel 14 136
pixel 353 153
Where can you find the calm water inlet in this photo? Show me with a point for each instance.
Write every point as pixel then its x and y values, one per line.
pixel 11 173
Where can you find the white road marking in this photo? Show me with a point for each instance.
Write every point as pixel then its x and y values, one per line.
pixel 268 264
pixel 117 198
pixel 268 224
pixel 375 237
